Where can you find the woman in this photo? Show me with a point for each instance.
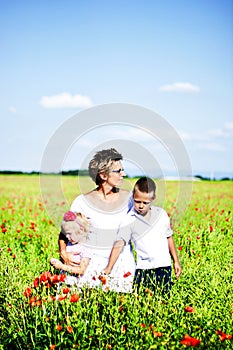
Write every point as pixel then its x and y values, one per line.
pixel 105 206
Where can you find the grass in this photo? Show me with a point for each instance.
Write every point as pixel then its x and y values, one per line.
pixel 93 319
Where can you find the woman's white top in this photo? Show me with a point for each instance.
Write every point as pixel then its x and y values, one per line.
pixel 104 225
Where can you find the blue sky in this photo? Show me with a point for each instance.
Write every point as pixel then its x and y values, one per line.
pixel 61 57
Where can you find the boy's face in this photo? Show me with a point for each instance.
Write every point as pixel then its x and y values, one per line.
pixel 142 201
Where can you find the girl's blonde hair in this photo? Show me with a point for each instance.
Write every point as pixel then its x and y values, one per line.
pixel 75 221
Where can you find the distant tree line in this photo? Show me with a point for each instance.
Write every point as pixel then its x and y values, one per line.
pixel 84 172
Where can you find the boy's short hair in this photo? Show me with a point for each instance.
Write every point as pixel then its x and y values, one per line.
pixel 145 184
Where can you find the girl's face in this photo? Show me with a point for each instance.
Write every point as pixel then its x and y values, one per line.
pixel 74 233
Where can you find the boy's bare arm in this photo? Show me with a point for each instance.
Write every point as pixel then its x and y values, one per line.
pixel 114 255
pixel 173 253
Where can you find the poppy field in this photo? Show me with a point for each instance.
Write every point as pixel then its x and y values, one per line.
pixel 36 314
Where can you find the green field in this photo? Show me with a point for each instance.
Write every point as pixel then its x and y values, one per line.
pixel 199 312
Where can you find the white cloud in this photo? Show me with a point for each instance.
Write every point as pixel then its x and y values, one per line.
pixel 225 132
pixel 12 109
pixel 228 126
pixel 65 100
pixel 180 87
pixel 212 146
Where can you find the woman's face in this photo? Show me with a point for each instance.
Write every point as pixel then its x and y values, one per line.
pixel 116 174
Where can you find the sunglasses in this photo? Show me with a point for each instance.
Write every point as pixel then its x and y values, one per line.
pixel 118 171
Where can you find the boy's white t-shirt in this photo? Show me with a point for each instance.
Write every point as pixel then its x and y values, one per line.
pixel 149 237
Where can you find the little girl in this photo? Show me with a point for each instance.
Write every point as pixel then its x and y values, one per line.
pixel 75 228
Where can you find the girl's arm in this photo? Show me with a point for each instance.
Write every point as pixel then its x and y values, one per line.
pixel 76 270
pixel 173 253
pixel 67 258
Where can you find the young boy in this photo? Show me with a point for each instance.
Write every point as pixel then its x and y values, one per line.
pixel 148 227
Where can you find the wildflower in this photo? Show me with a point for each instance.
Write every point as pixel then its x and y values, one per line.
pixel 222 335
pixel 74 298
pixel 34 301
pixel 127 274
pixel 36 282
pixel 189 309
pixel 62 297
pixel 44 277
pixel 61 277
pixel 28 292
pixel 180 247
pixel 123 328
pixel 109 346
pixel 211 228
pixel 66 290
pixel 143 325
pixel 189 341
pixel 102 279
pixel 157 334
pixel 58 327
pixel 52 347
pixel 69 329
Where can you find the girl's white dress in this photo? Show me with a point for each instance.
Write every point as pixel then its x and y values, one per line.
pixel 104 226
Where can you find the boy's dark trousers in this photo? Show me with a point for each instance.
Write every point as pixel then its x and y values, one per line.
pixel 154 279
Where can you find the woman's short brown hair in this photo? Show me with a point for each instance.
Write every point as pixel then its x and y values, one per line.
pixel 102 163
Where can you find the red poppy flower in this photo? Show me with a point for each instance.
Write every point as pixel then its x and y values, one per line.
pixel 127 274
pixel 157 334
pixel 222 335
pixel 28 292
pixel 61 278
pixel 190 341
pixel 52 347
pixel 180 248
pixel 69 329
pixel 58 327
pixel 211 228
pixel 66 290
pixel 36 282
pixel 102 279
pixel 62 297
pixel 44 277
pixel 143 325
pixel 189 309
pixel 74 298
pixel 123 329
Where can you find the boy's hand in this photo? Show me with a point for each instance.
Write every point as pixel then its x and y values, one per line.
pixel 106 271
pixel 178 269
